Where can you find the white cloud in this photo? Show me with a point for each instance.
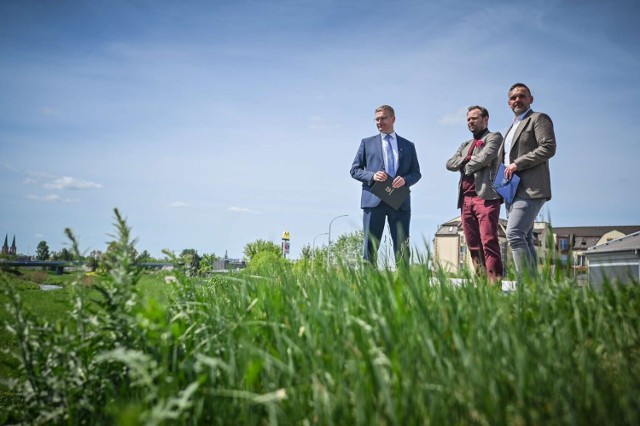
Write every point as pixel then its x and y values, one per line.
pixel 67 182
pixel 179 204
pixel 48 197
pixel 242 210
pixel 456 117
pixel 30 181
pixel 51 198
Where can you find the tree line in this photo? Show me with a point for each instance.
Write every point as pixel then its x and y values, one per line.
pixel 346 250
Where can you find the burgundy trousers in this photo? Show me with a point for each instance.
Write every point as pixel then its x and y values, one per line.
pixel 480 225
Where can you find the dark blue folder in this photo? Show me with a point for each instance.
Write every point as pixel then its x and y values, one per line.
pixel 506 188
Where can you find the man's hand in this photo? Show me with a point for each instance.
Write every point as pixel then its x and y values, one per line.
pixel 398 182
pixel 380 176
pixel 509 170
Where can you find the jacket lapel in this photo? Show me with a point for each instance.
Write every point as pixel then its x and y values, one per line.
pixel 400 149
pixel 380 149
pixel 523 124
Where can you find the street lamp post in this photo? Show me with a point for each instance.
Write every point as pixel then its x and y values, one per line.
pixel 329 239
pixel 313 249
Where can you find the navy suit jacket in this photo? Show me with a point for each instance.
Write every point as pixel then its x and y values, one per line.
pixel 369 160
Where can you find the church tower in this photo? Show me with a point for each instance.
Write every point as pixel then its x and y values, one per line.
pixel 12 250
pixel 5 246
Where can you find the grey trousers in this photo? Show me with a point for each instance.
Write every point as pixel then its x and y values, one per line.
pixel 520 217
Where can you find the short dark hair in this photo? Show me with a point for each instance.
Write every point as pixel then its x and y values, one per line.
pixel 519 85
pixel 483 111
pixel 386 109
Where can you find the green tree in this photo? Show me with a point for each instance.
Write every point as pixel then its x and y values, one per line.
pixel 42 251
pixel 113 250
pixel 93 260
pixel 306 256
pixel 347 250
pixel 207 263
pixel 252 249
pixel 312 259
pixel 306 253
pixel 63 255
pixel 8 256
pixel 319 259
pixel 144 257
pixel 267 263
pixel 190 260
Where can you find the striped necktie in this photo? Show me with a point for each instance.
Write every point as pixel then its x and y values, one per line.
pixel 391 161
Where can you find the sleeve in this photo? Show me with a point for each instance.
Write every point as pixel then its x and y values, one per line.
pixel 455 163
pixel 485 156
pixel 414 174
pixel 359 166
pixel 546 144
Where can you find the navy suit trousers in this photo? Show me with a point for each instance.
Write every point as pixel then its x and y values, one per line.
pixel 374 219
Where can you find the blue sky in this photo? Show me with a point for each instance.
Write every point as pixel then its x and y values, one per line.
pixel 211 124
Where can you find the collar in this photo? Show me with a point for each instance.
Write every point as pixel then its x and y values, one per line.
pixel 481 134
pixel 393 135
pixel 521 116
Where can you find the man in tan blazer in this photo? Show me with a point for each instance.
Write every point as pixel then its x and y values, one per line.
pixel 528 146
pixel 477 162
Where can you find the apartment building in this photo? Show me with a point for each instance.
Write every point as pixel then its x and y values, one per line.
pixel 565 244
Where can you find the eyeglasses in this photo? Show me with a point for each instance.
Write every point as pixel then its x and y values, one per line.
pixel 378 119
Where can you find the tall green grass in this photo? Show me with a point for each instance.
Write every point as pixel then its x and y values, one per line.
pixel 338 347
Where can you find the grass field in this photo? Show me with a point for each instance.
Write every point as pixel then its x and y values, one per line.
pixel 341 347
pixel 52 306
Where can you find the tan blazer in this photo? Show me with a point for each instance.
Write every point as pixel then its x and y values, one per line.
pixel 483 165
pixel 533 144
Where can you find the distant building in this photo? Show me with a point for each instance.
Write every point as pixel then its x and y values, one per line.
pixel 450 249
pixel 226 264
pixel 568 245
pixel 572 242
pixel 615 261
pixel 5 247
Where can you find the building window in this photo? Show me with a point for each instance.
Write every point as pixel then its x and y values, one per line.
pixel 463 255
pixel 563 244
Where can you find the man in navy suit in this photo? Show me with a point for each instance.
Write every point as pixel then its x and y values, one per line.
pixel 379 156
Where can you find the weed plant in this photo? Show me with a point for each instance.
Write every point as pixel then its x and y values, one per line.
pixel 362 347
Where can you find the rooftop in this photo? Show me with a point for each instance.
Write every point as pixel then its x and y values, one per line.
pixel 628 242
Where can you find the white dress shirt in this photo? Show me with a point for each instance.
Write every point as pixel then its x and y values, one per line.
pixel 509 138
pixel 394 147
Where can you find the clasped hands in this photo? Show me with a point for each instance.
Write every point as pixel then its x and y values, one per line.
pixel 381 176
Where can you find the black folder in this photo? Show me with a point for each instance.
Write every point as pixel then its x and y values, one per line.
pixel 390 195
